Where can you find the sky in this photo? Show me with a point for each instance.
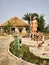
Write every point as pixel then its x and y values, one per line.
pixel 18 8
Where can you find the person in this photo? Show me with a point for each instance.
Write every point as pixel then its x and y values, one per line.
pixel 34 27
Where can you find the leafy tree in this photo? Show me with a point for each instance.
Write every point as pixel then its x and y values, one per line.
pixel 41 23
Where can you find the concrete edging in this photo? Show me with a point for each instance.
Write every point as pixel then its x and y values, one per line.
pixel 20 61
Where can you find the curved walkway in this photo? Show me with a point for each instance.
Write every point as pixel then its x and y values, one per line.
pixel 5 57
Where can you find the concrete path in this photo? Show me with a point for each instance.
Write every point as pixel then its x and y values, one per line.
pixel 5 58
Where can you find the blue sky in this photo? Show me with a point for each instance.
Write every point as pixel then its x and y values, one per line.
pixel 11 8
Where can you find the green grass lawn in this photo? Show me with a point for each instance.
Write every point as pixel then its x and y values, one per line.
pixel 23 52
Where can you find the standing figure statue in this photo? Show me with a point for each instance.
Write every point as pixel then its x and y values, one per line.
pixel 34 27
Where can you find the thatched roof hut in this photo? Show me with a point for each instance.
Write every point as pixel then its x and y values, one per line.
pixel 16 22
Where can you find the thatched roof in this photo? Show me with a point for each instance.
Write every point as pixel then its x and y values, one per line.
pixel 16 22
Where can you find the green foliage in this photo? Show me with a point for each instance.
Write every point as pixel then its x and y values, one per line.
pixel 14 47
pixel 41 23
pixel 7 27
pixel 33 15
pixel 40 20
pixel 27 16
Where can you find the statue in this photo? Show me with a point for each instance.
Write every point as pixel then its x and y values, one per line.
pixel 37 36
pixel 34 27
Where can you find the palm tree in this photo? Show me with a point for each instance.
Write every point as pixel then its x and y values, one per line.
pixel 27 16
pixel 34 15
pixel 40 20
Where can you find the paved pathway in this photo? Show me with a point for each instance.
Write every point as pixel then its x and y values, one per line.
pixel 5 58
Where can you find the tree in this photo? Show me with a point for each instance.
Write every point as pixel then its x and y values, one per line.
pixel 40 20
pixel 27 16
pixel 7 27
pixel 34 15
pixel 41 23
